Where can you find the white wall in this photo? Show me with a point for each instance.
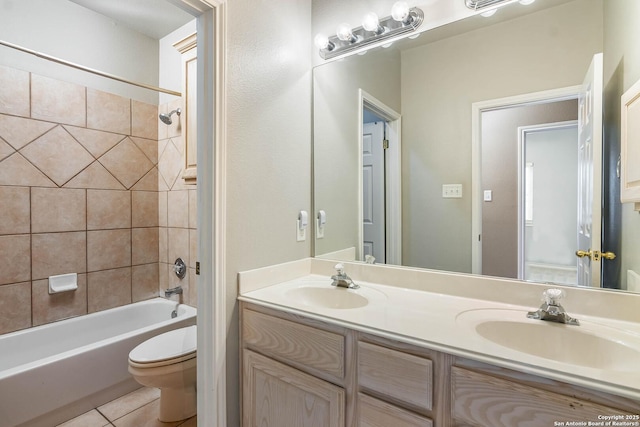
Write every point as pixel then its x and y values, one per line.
pixel 268 146
pixel 68 31
pixel 170 60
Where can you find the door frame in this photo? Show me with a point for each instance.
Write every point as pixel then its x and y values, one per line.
pixel 211 148
pixel 393 177
pixel 477 108
pixel 522 135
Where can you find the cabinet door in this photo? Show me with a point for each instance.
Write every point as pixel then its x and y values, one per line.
pixel 276 395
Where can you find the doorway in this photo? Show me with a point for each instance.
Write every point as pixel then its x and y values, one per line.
pixel 379 186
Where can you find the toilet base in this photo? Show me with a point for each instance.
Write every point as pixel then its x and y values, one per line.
pixel 177 404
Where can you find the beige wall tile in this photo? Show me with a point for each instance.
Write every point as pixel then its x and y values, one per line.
pixel 106 111
pixel 163 245
pixel 108 209
pixel 16 170
pixel 164 272
pixel 15 253
pixel 193 248
pixel 144 245
pixel 108 249
pixel 193 209
pixel 14 91
pixel 15 210
pixel 57 101
pixel 169 165
pixel 126 162
pixel 178 242
pixel 58 253
pixel 144 281
pixel 108 289
pixel 18 131
pixel 95 141
pixel 58 155
pixel 163 208
pixel 49 308
pixel 144 208
pixel 149 182
pixel 95 176
pixel 144 120
pixel 15 307
pixel 58 209
pixel 178 209
pixel 6 150
pixel 148 146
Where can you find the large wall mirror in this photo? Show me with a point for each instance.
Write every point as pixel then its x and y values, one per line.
pixel 466 150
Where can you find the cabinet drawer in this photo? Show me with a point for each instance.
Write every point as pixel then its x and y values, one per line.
pixel 376 413
pixel 304 346
pixel 400 376
pixel 484 400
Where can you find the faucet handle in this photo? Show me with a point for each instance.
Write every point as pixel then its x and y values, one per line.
pixel 553 296
pixel 339 268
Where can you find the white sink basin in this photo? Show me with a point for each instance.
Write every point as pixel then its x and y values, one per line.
pixel 590 344
pixel 328 296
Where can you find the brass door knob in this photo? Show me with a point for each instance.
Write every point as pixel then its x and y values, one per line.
pixel 595 255
pixel 582 254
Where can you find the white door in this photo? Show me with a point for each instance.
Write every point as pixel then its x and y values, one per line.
pixel 590 175
pixel 373 194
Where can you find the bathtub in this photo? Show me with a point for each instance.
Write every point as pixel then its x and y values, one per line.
pixel 54 372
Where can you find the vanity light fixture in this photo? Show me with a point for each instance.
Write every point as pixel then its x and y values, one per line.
pixel 491 6
pixel 403 20
pixel 526 2
pixel 489 13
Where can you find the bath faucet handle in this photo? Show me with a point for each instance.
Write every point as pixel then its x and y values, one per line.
pixel 553 296
pixel 339 269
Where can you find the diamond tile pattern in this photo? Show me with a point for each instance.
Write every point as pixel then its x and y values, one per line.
pixel 18 131
pixel 58 155
pixel 170 164
pixel 126 162
pixel 5 150
pixel 95 141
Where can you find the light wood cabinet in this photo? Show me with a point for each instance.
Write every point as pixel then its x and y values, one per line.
pixel 299 371
pixel 276 395
pixel 188 49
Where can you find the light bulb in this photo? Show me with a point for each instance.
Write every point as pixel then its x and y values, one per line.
pixel 344 33
pixel 400 11
pixel 526 2
pixel 370 22
pixel 489 13
pixel 322 42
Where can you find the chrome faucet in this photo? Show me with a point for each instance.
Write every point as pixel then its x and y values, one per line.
pixel 551 309
pixel 173 291
pixel 341 280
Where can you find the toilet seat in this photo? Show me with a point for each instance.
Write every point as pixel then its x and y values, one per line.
pixel 168 348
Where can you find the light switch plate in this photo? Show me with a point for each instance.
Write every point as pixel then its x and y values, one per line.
pixel 488 195
pixel 452 191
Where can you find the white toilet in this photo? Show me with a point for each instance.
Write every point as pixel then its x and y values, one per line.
pixel 168 362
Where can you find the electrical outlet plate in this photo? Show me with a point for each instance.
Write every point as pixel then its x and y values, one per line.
pixel 301 234
pixel 452 191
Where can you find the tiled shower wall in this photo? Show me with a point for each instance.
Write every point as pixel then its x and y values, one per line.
pixel 79 193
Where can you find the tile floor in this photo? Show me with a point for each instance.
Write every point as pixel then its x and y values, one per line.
pixel 136 409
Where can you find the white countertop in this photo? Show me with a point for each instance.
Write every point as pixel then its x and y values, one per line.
pixel 434 320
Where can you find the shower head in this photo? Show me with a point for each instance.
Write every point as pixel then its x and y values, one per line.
pixel 166 118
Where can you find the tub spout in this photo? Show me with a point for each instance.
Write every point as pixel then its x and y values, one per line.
pixel 172 291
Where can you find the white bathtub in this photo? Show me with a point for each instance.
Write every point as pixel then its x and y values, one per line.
pixel 54 372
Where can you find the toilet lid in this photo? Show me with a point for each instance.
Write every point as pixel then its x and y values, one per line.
pixel 167 346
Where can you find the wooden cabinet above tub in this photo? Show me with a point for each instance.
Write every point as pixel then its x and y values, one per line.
pixel 296 368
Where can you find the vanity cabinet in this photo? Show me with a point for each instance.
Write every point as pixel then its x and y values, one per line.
pixel 299 371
